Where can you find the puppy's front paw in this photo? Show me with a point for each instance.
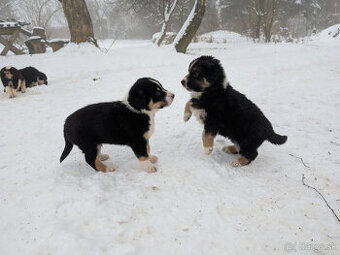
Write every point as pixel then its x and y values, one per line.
pixel 187 116
pixel 148 166
pixel 153 158
pixel 208 150
pixel 110 169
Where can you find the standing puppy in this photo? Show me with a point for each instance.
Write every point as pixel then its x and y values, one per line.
pixel 129 122
pixel 12 80
pixel 224 111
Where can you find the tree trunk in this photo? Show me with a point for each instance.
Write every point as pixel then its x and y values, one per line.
pixel 79 21
pixel 259 9
pixel 167 12
pixel 190 26
pixel 162 33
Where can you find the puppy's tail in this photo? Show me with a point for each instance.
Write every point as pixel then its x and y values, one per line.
pixel 277 139
pixel 67 150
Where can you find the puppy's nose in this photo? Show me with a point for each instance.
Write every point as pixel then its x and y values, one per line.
pixel 171 95
pixel 183 82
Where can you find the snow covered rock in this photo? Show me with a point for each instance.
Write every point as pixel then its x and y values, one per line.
pixel 220 36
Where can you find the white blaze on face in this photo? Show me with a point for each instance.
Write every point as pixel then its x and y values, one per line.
pixel 155 81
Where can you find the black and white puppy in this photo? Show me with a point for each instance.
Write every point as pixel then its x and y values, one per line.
pixel 33 76
pixel 129 122
pixel 12 80
pixel 226 112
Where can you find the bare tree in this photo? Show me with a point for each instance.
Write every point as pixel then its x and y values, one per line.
pixel 168 7
pixel 265 12
pixel 190 26
pixel 39 13
pixel 6 10
pixel 79 21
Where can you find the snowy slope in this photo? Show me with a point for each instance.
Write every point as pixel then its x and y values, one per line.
pixel 194 204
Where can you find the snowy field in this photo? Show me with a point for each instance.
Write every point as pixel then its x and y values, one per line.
pixel 194 204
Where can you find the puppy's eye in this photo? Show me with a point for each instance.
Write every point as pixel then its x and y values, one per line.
pixel 158 93
pixel 195 75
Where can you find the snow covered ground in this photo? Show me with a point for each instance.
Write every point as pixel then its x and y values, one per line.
pixel 194 204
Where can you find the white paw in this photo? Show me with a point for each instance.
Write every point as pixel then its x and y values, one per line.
pixel 110 169
pixel 104 157
pixel 208 150
pixel 153 158
pixel 148 166
pixel 187 116
pixel 235 163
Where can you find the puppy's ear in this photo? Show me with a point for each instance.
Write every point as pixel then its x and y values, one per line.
pixel 137 98
pixel 216 71
pixel 2 74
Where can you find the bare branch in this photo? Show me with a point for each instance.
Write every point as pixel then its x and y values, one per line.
pixel 304 184
pixel 300 159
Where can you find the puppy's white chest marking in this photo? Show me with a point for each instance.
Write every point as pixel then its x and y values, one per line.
pixel 200 114
pixel 149 133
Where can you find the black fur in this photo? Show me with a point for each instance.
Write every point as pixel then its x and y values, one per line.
pixel 33 75
pixel 14 82
pixel 228 112
pixel 122 123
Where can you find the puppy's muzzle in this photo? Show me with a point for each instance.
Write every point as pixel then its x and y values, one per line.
pixel 184 81
pixel 169 98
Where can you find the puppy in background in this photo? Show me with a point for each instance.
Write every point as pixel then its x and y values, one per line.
pixel 12 80
pixel 18 80
pixel 129 122
pixel 224 111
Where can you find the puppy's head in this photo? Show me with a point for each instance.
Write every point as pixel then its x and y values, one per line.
pixel 148 94
pixel 42 78
pixel 204 72
pixel 8 72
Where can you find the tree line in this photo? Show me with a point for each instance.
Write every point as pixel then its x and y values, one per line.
pixel 258 19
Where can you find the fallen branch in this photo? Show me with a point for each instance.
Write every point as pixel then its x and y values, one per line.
pixel 303 183
pixel 300 159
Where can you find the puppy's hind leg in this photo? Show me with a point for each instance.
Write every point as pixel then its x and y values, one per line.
pixel 92 157
pixel 245 159
pixel 23 86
